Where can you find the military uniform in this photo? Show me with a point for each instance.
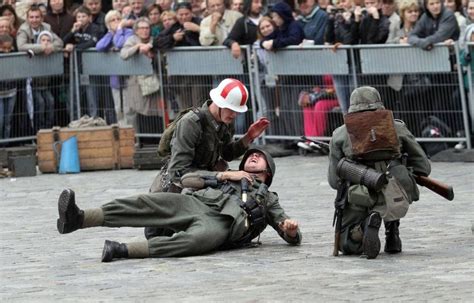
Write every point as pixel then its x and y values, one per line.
pixel 192 223
pixel 201 221
pixel 196 148
pixel 361 200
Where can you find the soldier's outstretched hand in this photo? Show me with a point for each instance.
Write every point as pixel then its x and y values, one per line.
pixel 257 128
pixel 289 227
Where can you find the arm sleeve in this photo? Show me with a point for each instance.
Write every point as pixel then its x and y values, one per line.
pixel 129 49
pixel 417 158
pixel 329 36
pixel 232 149
pixel 417 36
pixel 189 132
pixel 447 29
pixel 23 45
pixel 105 43
pixel 275 215
pixel 236 32
pixel 378 30
pixel 95 33
pixel 57 42
pixel 121 36
pixel 319 34
pixel 165 39
pixel 206 37
pixel 294 37
pixel 335 155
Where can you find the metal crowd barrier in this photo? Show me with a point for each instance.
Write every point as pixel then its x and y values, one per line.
pixel 469 69
pixel 425 89
pixel 40 98
pixel 189 73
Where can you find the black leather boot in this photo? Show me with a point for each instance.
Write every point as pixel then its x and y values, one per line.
pixel 71 217
pixel 114 250
pixel 393 244
pixel 371 240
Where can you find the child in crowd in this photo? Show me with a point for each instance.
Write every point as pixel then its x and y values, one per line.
pixel 270 106
pixel 42 97
pixel 8 92
pixel 84 34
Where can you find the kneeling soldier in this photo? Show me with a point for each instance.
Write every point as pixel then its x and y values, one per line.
pixel 372 162
pixel 215 211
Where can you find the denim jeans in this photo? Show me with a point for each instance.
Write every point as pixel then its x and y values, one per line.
pixel 7 104
pixel 344 86
pixel 44 108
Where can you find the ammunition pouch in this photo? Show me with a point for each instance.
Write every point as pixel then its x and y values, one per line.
pixel 255 212
pixel 360 174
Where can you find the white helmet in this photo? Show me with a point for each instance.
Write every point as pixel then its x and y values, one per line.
pixel 231 94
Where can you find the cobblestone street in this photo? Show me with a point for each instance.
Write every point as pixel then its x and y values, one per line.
pixel 37 264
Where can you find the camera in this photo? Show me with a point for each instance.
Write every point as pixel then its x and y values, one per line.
pixel 337 10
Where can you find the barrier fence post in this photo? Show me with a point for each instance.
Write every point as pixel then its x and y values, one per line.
pixel 463 97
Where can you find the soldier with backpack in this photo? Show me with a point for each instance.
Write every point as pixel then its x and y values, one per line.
pixel 372 162
pixel 202 138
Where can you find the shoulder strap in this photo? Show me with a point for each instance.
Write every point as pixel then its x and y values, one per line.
pixel 202 117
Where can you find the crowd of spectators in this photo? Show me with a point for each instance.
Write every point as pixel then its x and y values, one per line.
pixel 43 27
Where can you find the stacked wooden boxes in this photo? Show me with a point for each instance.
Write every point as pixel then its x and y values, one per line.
pixel 103 147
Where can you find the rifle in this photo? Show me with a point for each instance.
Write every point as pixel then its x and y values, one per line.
pixel 320 146
pixel 444 190
pixel 339 204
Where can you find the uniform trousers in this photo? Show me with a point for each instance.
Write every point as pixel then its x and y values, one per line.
pixel 196 227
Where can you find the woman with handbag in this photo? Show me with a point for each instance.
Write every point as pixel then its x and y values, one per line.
pixel 142 93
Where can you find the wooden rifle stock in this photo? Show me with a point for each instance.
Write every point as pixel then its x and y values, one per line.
pixel 440 188
pixel 337 239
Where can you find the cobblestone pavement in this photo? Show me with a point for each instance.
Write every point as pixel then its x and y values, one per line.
pixel 39 265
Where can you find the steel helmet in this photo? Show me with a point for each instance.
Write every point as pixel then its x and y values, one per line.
pixel 365 98
pixel 271 167
pixel 231 94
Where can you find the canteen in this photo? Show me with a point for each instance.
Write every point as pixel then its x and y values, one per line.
pixel 69 159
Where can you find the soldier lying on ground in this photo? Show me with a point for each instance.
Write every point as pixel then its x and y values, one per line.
pixel 200 220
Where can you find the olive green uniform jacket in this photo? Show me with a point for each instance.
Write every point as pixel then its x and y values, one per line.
pixel 196 148
pixel 416 162
pixel 196 222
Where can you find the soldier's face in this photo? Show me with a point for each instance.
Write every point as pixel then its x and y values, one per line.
pixel 256 162
pixel 228 116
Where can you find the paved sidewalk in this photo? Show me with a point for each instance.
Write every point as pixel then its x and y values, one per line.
pixel 37 264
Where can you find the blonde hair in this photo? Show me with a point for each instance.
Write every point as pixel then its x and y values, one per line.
pixel 404 5
pixel 168 14
pixel 112 13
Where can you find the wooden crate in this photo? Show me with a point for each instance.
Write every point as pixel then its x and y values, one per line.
pixel 104 147
pixel 147 158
